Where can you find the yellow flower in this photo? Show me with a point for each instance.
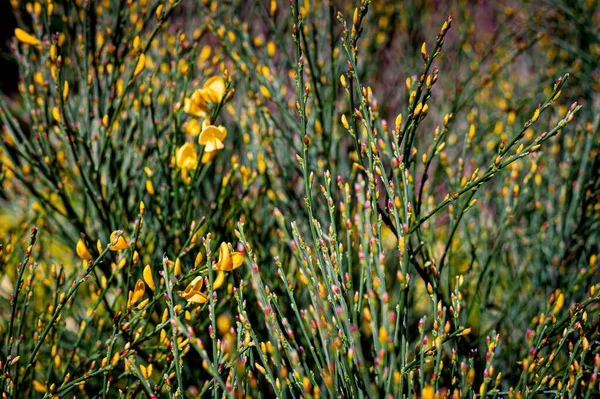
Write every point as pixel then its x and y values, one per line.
pixel 428 392
pixel 195 106
pixel 192 292
pixel 212 138
pixel 138 292
pixel 219 280
pixel 82 250
pixel 148 277
pixel 118 243
pixel 228 261
pixel 187 157
pixel 139 67
pixel 213 90
pixel 193 128
pixel 26 38
pixel 208 157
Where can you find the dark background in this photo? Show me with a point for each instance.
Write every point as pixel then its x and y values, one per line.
pixel 8 67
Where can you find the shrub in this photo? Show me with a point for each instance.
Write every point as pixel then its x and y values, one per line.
pixel 313 200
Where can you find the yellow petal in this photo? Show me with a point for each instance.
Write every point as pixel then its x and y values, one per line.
pixel 214 145
pixel 198 259
pixel 140 65
pixel 148 277
pixel 177 270
pixel 26 38
pixel 214 89
pixel 38 386
pixel 224 263
pixel 219 280
pixel 199 100
pixel 143 304
pixel 193 287
pixel 187 157
pixel 56 114
pixel 189 107
pixel 138 291
pixel 212 133
pixel 82 250
pixel 207 157
pixel 117 243
pixel 198 298
pixel 193 128
pixel 237 259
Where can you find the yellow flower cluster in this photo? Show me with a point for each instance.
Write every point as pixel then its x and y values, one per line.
pixel 227 262
pixel 210 136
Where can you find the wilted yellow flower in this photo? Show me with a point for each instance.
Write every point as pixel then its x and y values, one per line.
pixel 118 243
pixel 212 138
pixel 228 261
pixel 26 38
pixel 192 291
pixel 82 250
pixel 186 158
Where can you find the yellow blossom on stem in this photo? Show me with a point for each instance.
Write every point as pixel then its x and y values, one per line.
pixel 212 138
pixel 195 105
pixel 26 38
pixel 117 241
pixel 140 65
pixel 186 158
pixel 228 261
pixel 148 277
pixel 192 292
pixel 207 157
pixel 82 250
pixel 193 128
pixel 138 292
pixel 219 280
pixel 213 90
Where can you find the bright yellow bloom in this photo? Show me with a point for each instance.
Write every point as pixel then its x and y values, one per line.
pixel 228 261
pixel 117 243
pixel 212 138
pixel 207 157
pixel 140 65
pixel 193 128
pixel 187 159
pixel 138 292
pixel 192 292
pixel 82 250
pixel 38 386
pixel 195 106
pixel 213 90
pixel 148 277
pixel 219 280
pixel 428 392
pixel 26 38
